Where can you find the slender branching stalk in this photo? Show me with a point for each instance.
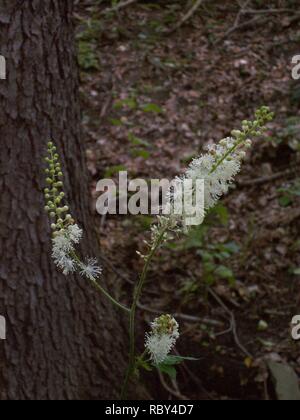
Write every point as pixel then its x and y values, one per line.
pixel 217 169
pixel 66 234
pixel 229 151
pixel 137 295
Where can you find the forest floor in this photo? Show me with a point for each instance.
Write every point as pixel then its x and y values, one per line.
pixel 151 101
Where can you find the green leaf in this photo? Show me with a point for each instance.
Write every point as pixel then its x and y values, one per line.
pixel 232 247
pixel 223 214
pixel 152 108
pixel 168 370
pixel 142 364
pixel 224 272
pixel 140 153
pixel 176 360
pixel 285 201
pixel 114 170
pixel 296 272
pixel 135 141
pixel 116 122
pixel 129 102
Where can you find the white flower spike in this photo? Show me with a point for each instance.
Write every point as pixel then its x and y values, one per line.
pixel 162 338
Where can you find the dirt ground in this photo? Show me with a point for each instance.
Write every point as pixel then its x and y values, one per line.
pixel 152 99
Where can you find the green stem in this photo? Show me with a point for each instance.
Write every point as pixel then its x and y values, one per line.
pixel 137 295
pixel 100 288
pixel 228 153
pixel 112 300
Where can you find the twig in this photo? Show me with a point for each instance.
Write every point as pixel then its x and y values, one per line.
pixel 195 378
pixel 184 317
pixel 265 11
pixel 265 179
pixel 241 26
pixel 237 19
pixel 119 6
pixel 232 321
pixel 171 391
pixel 187 16
pixel 242 9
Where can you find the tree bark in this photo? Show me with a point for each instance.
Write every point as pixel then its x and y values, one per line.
pixel 64 340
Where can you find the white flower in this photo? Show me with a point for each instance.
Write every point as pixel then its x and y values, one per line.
pixel 75 233
pixel 91 270
pixel 162 338
pixel 62 243
pixel 66 264
pixel 159 346
pixel 217 169
pixel 63 246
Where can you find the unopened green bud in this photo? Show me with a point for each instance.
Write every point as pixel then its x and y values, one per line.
pixel 248 143
pixel 236 133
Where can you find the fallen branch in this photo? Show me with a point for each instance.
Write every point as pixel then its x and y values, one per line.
pixel 242 26
pixel 119 6
pixel 187 16
pixel 184 317
pixel 233 327
pixel 171 391
pixel 266 11
pixel 267 178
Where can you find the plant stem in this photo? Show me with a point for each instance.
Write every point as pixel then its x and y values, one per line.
pixel 100 288
pixel 137 295
pixel 112 300
pixel 228 153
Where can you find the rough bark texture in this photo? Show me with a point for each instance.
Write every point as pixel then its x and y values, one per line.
pixel 63 339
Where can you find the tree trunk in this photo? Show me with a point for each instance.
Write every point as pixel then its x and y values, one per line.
pixel 64 340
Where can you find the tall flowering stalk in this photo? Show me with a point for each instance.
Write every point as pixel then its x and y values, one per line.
pixel 66 234
pixel 218 168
